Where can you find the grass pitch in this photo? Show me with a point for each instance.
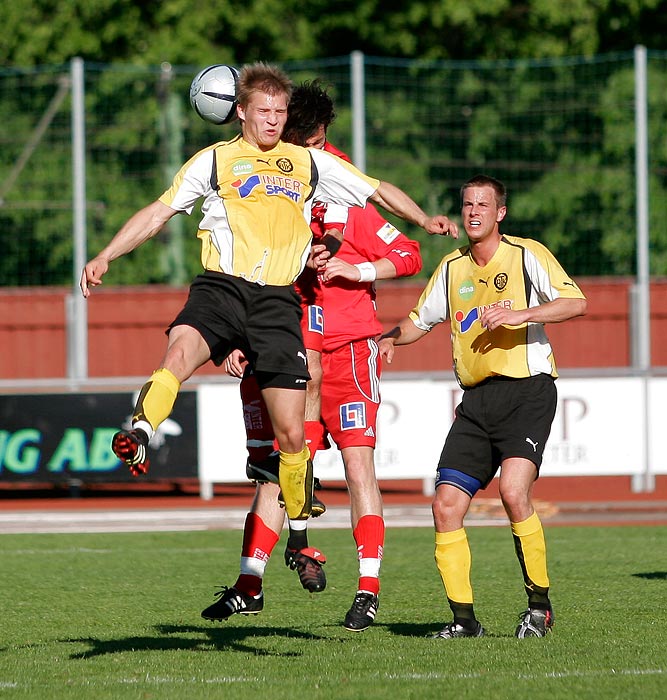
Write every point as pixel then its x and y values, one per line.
pixel 117 616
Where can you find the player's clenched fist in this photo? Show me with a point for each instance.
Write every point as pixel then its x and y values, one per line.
pixel 441 225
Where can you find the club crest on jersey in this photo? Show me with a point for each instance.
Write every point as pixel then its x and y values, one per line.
pixel 353 415
pixel 316 319
pixel 285 164
pixel 500 281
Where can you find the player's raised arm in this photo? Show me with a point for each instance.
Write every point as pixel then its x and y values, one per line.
pixel 397 202
pixel 141 226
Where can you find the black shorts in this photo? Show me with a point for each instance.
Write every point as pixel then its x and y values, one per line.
pixel 261 320
pixel 498 419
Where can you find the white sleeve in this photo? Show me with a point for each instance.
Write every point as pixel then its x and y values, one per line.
pixel 432 307
pixel 192 182
pixel 336 214
pixel 339 182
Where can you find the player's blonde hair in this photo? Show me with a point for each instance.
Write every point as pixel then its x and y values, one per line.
pixel 262 77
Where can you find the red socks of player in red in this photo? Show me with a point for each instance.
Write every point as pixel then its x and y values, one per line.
pixel 369 536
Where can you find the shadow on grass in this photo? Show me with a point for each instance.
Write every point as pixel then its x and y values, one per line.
pixel 653 575
pixel 409 629
pixel 406 629
pixel 175 637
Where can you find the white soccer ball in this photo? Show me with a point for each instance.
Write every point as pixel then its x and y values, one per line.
pixel 213 94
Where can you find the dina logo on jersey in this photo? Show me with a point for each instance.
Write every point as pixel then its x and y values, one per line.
pixel 242 167
pixel 467 289
pixel 353 415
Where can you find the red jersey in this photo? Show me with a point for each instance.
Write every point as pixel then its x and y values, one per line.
pixel 349 307
pixel 323 218
pixel 327 216
pixel 330 148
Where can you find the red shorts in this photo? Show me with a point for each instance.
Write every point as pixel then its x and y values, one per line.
pixel 312 321
pixel 351 393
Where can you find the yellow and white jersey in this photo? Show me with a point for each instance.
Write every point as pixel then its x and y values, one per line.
pixel 522 274
pixel 257 204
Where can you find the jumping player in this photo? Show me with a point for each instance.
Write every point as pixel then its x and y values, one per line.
pixel 372 249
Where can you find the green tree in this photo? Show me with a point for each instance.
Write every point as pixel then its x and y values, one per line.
pixel 194 32
pixel 558 130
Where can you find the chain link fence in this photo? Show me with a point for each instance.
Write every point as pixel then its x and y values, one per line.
pixel 560 133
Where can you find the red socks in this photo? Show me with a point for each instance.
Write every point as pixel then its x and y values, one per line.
pixel 369 536
pixel 258 543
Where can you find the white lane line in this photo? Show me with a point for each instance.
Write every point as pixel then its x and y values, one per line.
pixel 161 520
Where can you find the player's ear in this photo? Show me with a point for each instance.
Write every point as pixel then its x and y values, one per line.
pixel 502 211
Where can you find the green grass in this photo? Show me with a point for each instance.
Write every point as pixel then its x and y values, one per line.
pixel 117 616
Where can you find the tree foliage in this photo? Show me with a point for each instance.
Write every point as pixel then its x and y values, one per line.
pixel 559 130
pixel 195 32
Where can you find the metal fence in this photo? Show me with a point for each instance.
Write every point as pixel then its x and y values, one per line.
pixel 563 134
pixel 580 142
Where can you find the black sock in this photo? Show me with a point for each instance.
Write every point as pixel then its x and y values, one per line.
pixel 298 539
pixel 464 614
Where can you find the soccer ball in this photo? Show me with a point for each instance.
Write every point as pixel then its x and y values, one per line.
pixel 213 94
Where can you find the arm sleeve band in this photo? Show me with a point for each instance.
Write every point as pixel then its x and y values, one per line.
pixel 331 243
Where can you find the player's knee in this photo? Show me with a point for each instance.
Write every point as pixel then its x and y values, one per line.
pixel 186 351
pixel 291 439
pixel 447 513
pixel 516 501
pixel 359 464
pixel 360 476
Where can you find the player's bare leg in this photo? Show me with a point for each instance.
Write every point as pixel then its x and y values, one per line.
pixel 299 556
pixel 262 467
pixel 368 531
pixel 287 409
pixel 517 476
pixel 314 386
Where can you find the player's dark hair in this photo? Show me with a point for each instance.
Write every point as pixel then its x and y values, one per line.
pixel 262 77
pixel 309 108
pixel 487 181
